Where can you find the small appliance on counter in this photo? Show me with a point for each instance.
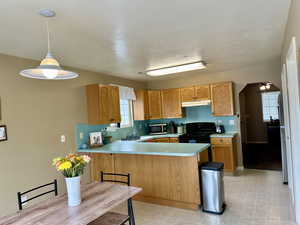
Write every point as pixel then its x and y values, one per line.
pixel 180 129
pixel 220 129
pixel 158 128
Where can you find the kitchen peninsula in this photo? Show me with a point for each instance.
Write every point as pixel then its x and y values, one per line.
pixel 167 172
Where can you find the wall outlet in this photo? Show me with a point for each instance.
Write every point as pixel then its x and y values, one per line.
pixel 62 138
pixel 81 135
pixel 231 122
pixel 24 198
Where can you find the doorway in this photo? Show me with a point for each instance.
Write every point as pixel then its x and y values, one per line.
pixel 260 126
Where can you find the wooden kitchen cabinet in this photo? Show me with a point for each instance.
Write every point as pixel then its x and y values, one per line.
pixel 202 92
pixel 141 105
pixel 171 103
pixel 154 101
pixel 222 98
pixel 164 140
pixel 224 150
pixel 103 104
pixel 195 93
pixel 187 94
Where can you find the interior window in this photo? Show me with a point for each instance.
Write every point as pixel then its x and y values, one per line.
pixel 270 105
pixel 126 113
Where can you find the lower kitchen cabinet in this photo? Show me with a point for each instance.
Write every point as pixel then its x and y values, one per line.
pixel 224 150
pixel 164 140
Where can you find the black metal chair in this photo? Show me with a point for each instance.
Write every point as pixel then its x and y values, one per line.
pixel 112 218
pixel 20 194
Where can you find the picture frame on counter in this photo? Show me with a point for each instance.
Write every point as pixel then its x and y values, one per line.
pixel 96 139
pixel 3 133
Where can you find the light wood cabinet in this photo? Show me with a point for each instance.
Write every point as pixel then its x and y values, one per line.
pixel 202 92
pixel 166 180
pixel 103 104
pixel 164 140
pixel 154 100
pixel 195 93
pixel 224 150
pixel 187 94
pixel 140 105
pixel 222 98
pixel 171 103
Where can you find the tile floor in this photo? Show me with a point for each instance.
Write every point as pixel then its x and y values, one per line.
pixel 256 197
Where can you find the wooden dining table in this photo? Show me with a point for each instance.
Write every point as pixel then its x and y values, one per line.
pixel 97 199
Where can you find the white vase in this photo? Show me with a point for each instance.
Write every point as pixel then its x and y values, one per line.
pixel 73 189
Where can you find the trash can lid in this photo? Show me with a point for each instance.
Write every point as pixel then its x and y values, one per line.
pixel 212 166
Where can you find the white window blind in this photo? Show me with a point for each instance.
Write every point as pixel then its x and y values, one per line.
pixel 270 105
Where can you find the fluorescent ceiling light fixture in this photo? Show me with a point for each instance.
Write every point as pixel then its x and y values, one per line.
pixel 177 69
pixel 49 68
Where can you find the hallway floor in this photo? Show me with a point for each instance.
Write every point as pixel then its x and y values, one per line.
pixel 256 197
pixel 262 157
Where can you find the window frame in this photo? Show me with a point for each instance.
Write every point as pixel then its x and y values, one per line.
pixel 263 107
pixel 130 114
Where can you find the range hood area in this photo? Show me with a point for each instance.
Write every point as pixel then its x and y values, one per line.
pixel 196 103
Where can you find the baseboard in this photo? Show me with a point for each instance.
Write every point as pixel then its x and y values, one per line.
pixel 240 168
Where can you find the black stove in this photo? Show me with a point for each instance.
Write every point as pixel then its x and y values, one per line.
pixel 198 133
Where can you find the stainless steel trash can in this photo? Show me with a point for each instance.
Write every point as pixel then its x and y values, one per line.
pixel 212 185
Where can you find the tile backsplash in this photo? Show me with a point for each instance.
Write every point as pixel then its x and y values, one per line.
pixel 193 114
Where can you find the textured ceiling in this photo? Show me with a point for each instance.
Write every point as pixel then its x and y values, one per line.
pixel 125 37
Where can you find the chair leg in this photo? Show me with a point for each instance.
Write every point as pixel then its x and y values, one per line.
pixel 130 212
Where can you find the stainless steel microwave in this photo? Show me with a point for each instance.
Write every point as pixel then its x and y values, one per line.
pixel 158 128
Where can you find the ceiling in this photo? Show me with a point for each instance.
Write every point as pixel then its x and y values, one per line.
pixel 123 38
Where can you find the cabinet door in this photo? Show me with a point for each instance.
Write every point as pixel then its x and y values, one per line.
pixel 154 99
pixel 105 105
pixel 114 104
pixel 222 99
pixel 223 153
pixel 171 104
pixel 202 92
pixel 140 105
pixel 187 94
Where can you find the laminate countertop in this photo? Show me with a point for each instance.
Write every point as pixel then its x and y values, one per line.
pixel 224 135
pixel 145 148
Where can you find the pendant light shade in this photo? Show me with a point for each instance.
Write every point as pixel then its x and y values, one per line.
pixel 49 68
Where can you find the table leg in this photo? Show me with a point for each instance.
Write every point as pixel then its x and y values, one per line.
pixel 130 212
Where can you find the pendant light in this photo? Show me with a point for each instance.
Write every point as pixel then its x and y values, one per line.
pixel 49 68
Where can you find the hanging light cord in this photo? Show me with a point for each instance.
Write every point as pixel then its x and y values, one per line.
pixel 48 35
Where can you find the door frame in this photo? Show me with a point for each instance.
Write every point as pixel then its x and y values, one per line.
pixel 294 114
pixel 287 129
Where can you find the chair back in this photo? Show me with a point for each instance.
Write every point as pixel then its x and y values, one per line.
pixel 20 194
pixel 103 178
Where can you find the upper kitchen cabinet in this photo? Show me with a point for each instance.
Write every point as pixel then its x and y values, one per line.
pixel 154 101
pixel 202 92
pixel 222 98
pixel 195 93
pixel 171 103
pixel 103 104
pixel 140 105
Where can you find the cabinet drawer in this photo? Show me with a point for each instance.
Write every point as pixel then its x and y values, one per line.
pixel 221 141
pixel 165 140
pixel 174 140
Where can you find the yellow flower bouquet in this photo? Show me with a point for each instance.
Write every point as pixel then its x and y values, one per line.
pixel 72 165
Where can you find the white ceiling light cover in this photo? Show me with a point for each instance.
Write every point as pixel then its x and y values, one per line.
pixel 177 69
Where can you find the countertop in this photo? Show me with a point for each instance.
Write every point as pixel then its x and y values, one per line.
pixel 145 148
pixel 225 135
